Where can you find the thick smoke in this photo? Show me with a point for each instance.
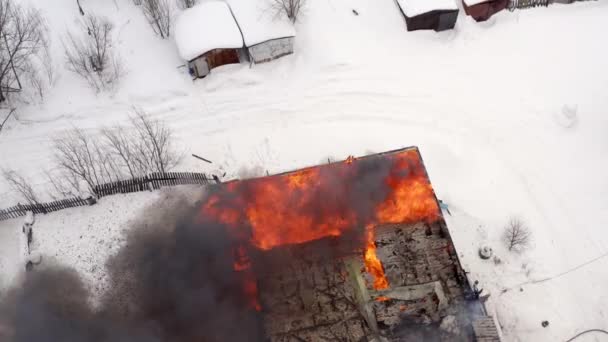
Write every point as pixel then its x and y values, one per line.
pixel 341 191
pixel 172 281
pixel 175 279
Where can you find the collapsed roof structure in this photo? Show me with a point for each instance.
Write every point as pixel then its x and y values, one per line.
pixel 356 250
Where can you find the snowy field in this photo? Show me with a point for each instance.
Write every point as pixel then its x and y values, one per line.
pixel 511 117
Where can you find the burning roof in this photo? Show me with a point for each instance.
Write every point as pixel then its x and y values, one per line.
pixel 344 249
pixel 328 200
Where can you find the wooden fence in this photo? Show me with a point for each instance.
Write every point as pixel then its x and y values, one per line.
pixel 521 4
pixel 43 208
pixel 150 182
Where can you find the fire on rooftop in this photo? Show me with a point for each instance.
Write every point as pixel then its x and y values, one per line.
pixel 352 251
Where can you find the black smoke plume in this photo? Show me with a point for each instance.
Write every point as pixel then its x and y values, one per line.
pixel 172 281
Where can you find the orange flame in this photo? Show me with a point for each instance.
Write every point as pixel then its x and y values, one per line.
pixel 250 288
pixel 373 265
pixel 313 203
pixel 382 299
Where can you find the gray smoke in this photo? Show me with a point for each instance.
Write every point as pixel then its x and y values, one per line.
pixel 172 281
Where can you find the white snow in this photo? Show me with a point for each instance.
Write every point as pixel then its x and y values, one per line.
pixel 205 27
pixel 12 251
pixel 259 22
pixel 510 116
pixel 412 8
pixel 475 2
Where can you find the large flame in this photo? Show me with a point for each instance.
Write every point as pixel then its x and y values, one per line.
pixel 373 265
pixel 328 200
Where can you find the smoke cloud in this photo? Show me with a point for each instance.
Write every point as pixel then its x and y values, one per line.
pixel 172 281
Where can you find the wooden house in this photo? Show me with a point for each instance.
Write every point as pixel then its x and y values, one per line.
pixel 438 15
pixel 482 10
pixel 266 35
pixel 207 36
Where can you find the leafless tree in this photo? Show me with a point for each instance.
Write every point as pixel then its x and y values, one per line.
pixel 159 15
pixel 62 187
pixel 123 144
pixel 22 35
pixel 82 160
pixel 289 8
pixel 39 73
pixel 154 143
pixel 517 236
pixel 117 153
pixel 80 10
pixel 5 118
pixel 20 185
pixel 90 54
pixel 183 4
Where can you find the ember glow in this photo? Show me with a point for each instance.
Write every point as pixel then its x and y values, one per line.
pixel 373 265
pixel 382 299
pixel 328 200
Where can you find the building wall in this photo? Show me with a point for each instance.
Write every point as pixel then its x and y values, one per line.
pixel 271 49
pixel 199 67
pixel 202 65
pixel 435 20
pixel 484 11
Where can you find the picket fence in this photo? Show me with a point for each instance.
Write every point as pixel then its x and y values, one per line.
pixel 153 181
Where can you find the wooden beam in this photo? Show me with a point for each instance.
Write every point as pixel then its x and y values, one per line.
pixel 201 158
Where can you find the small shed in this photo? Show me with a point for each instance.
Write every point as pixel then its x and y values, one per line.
pixel 438 15
pixel 207 36
pixel 267 36
pixel 482 10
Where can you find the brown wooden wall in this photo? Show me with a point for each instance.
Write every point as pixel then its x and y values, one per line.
pixel 435 20
pixel 483 11
pixel 219 57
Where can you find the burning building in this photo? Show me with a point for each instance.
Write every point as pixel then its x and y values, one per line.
pixel 356 250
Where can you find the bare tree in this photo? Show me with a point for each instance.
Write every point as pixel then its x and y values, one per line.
pixel 22 36
pixel 183 4
pixel 289 8
pixel 5 118
pixel 90 54
pixel 154 144
pixel 123 145
pixel 517 236
pixel 159 15
pixel 20 185
pixel 82 160
pixel 80 10
pixel 62 187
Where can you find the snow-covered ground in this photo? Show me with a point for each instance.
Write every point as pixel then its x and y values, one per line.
pixel 510 116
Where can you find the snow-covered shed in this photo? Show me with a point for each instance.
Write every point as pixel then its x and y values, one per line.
pixel 207 36
pixel 482 10
pixel 435 15
pixel 266 35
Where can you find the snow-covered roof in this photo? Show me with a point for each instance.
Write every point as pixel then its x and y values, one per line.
pixel 474 2
pixel 412 8
pixel 259 22
pixel 204 27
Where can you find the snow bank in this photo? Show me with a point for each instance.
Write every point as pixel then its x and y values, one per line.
pixel 491 148
pixel 474 2
pixel 12 251
pixel 412 8
pixel 205 27
pixel 258 21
